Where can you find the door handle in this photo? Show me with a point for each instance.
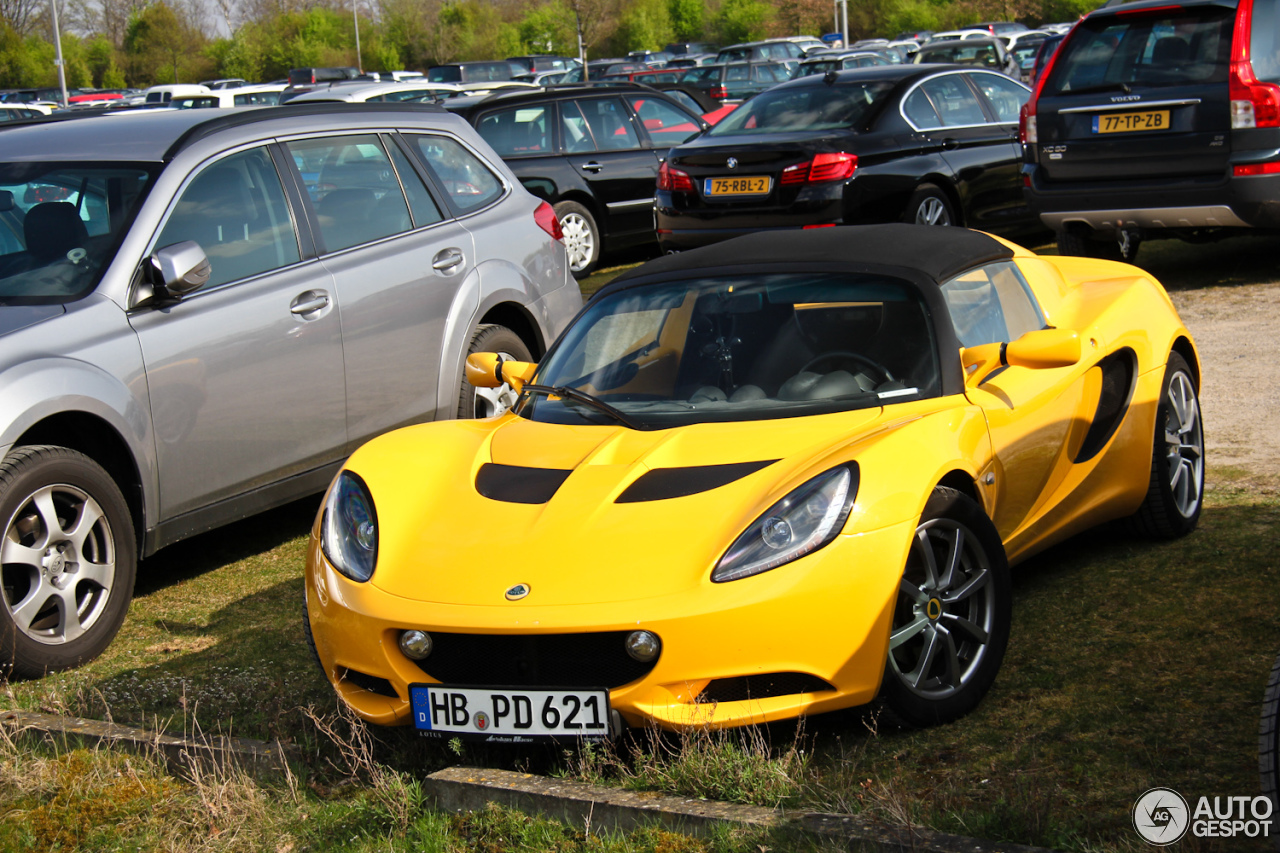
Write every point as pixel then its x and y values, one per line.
pixel 950 144
pixel 447 259
pixel 309 302
pixel 591 167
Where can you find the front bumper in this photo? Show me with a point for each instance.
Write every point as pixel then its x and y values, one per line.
pixel 826 615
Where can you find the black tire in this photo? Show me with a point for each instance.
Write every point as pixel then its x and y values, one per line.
pixel 973 606
pixel 929 205
pixel 581 237
pixel 1081 245
pixel 489 402
pixel 1172 506
pixel 306 632
pixel 1269 741
pixel 92 569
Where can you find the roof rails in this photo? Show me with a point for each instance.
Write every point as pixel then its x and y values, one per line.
pixel 289 110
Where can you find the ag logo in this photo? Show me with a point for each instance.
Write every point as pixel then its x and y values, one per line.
pixel 1161 816
pixel 517 592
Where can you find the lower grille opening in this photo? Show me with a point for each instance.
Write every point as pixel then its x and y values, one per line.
pixel 370 682
pixel 760 687
pixel 531 660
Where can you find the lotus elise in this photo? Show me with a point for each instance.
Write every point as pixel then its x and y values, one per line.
pixel 776 476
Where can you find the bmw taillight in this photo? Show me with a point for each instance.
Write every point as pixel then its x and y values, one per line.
pixel 545 216
pixel 674 180
pixel 718 92
pixel 1253 103
pixel 822 168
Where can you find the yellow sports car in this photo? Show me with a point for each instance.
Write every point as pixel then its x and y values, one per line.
pixel 776 476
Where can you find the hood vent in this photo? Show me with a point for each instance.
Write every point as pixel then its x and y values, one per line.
pixel 664 483
pixel 517 485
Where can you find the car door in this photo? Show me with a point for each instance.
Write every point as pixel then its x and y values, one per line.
pixel 1039 419
pixel 950 116
pixel 397 263
pixel 602 144
pixel 1003 98
pixel 244 375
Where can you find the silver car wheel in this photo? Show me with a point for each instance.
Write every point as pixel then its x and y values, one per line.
pixel 932 212
pixel 1184 445
pixel 491 402
pixel 579 240
pixel 946 605
pixel 59 555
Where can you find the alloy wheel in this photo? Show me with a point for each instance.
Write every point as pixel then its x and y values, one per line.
pixel 1184 444
pixel 578 240
pixel 932 211
pixel 58 554
pixel 943 621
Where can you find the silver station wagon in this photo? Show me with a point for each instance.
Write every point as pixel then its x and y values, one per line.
pixel 202 313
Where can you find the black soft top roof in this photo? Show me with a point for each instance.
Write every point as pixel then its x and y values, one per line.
pixel 938 253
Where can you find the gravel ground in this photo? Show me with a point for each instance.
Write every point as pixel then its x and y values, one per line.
pixel 1228 294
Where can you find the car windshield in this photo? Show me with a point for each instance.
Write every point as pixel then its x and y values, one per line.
pixel 804 108
pixel 982 55
pixel 60 225
pixel 739 348
pixel 1162 47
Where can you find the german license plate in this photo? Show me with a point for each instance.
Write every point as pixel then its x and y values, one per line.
pixel 508 715
pixel 750 185
pixel 1127 122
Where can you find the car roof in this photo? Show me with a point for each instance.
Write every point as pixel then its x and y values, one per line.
pixel 937 253
pixel 904 71
pixel 158 135
pixel 1138 6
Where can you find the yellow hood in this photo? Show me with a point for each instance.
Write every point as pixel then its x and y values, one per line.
pixel 442 541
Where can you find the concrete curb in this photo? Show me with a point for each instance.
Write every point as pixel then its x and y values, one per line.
pixel 260 758
pixel 461 789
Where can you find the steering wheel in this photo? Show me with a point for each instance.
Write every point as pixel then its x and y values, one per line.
pixel 851 356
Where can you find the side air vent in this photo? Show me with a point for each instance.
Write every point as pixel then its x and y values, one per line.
pixel 517 485
pixel 663 483
pixel 1119 370
pixel 760 687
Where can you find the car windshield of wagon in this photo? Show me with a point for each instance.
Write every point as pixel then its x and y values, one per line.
pixel 803 108
pixel 741 347
pixel 60 225
pixel 1156 47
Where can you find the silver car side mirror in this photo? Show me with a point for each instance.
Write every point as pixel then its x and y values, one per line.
pixel 183 267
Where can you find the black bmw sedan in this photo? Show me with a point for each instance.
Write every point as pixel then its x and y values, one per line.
pixel 933 144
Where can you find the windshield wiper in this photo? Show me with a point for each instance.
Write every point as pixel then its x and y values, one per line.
pixel 583 397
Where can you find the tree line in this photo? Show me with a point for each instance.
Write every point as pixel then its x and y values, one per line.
pixel 118 43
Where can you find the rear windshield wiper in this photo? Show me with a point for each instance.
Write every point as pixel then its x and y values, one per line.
pixel 583 397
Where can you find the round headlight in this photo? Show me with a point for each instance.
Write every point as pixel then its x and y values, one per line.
pixel 643 645
pixel 415 644
pixel 776 532
pixel 349 528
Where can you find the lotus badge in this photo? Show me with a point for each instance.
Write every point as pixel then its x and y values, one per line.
pixel 517 592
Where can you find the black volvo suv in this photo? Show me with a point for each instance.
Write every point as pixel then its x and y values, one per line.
pixel 1157 119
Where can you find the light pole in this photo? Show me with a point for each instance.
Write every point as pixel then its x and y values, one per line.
pixel 57 43
pixel 355 17
pixel 844 8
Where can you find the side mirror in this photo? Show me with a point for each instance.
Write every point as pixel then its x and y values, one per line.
pixel 490 370
pixel 1042 348
pixel 183 267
